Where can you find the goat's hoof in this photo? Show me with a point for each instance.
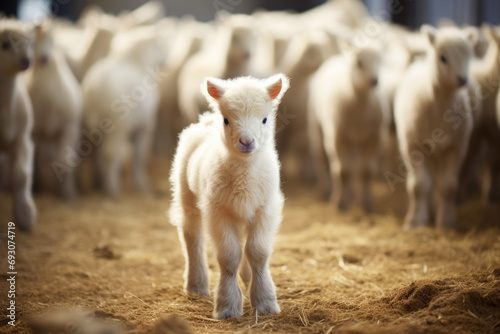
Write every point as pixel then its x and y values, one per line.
pixel 25 215
pixel 197 290
pixel 268 307
pixel 228 313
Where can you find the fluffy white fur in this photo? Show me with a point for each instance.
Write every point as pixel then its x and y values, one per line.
pixel 57 104
pixel 108 95
pixel 16 113
pixel 225 54
pixel 225 179
pixel 347 119
pixel 434 123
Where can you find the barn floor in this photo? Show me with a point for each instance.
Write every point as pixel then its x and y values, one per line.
pixel 335 273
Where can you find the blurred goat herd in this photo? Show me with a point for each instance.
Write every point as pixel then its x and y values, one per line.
pixel 367 99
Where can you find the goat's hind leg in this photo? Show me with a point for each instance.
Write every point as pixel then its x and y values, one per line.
pixel 191 237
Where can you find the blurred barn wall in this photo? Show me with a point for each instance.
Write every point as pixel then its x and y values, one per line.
pixel 202 10
pixel 415 13
pixel 411 13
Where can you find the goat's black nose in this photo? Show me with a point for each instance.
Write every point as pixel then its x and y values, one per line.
pixel 44 59
pixel 374 82
pixel 24 63
pixel 461 81
pixel 246 143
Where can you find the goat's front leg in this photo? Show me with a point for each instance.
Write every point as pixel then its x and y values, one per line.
pixel 418 185
pixel 228 301
pixel 21 159
pixel 258 249
pixel 446 179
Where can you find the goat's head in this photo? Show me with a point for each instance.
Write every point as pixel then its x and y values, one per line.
pixel 248 110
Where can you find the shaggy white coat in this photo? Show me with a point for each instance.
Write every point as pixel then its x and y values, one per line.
pixel 57 106
pixel 434 122
pixel 348 120
pixel 232 190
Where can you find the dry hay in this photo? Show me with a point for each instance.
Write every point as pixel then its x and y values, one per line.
pixel 335 273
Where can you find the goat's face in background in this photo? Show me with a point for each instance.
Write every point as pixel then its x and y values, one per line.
pixel 451 51
pixel 365 68
pixel 16 50
pixel 247 110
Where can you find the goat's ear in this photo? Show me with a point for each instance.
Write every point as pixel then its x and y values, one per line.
pixel 223 16
pixel 277 85
pixel 472 35
pixel 429 32
pixel 214 88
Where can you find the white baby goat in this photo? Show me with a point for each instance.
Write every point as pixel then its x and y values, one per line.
pixel 225 178
pixel 348 120
pixel 433 121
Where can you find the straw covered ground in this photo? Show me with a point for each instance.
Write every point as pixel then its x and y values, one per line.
pixel 335 273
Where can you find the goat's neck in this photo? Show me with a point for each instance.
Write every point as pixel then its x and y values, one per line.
pixel 360 94
pixel 242 162
pixel 440 90
pixel 51 65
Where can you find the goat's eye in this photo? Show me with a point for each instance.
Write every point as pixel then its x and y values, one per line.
pixel 264 121
pixel 226 121
pixel 5 45
pixel 360 64
pixel 443 59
